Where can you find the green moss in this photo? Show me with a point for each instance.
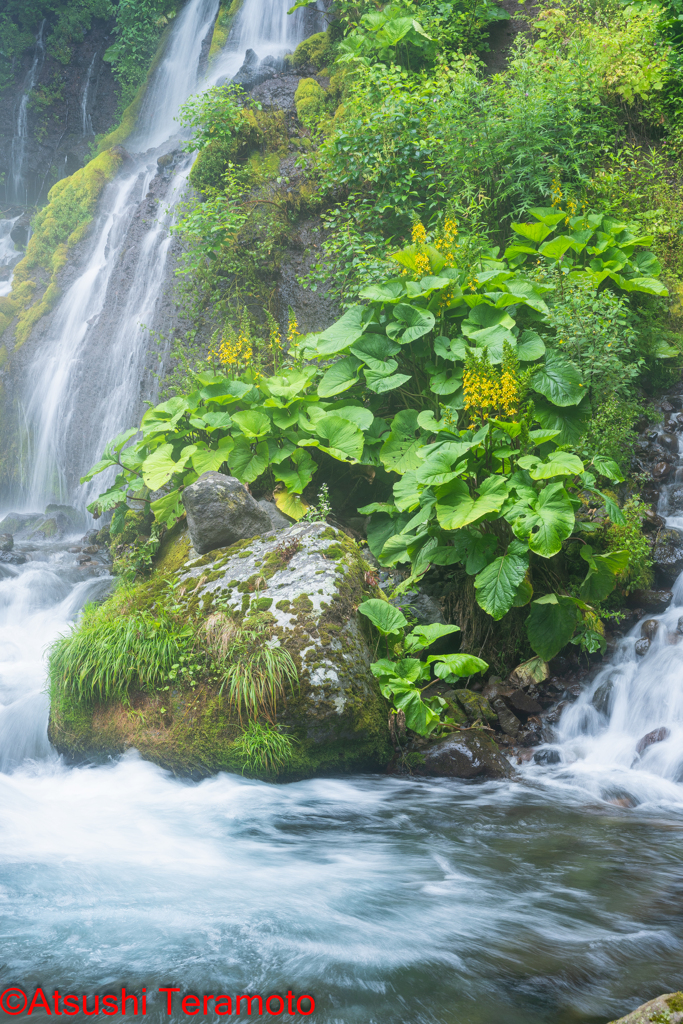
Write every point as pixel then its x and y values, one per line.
pixel 261 604
pixel 56 228
pixel 675 1002
pixel 310 101
pixel 222 26
pixel 475 706
pixel 317 50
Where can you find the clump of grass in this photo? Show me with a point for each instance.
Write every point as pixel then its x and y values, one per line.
pixel 263 748
pixel 258 672
pixel 104 657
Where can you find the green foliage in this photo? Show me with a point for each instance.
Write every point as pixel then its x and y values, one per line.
pixel 398 679
pixel 257 673
pixel 106 657
pixel 638 574
pixel 263 748
pixel 214 115
pixel 318 50
pixel 139 25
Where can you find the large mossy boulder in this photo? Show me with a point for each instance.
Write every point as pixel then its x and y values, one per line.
pixel 298 588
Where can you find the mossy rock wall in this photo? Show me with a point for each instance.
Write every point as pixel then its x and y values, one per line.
pixel 300 587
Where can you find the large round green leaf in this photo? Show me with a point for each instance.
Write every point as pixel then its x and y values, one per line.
pixel 399 451
pixel 340 377
pixel 247 462
pixel 344 441
pixel 559 381
pixel 254 423
pixel 343 333
pixel 384 616
pixel 551 623
pixel 410 323
pixel 548 521
pixel 497 584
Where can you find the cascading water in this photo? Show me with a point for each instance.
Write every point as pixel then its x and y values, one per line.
pixel 86 122
pixel 551 900
pixel 18 190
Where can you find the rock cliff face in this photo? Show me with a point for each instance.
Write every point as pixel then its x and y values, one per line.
pixel 68 105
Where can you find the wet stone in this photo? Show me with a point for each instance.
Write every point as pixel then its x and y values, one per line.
pixel 655 736
pixel 649 629
pixel 521 701
pixel 547 756
pixel 602 698
pixel 651 600
pixel 661 471
pixel 221 511
pixel 468 754
pixel 668 555
pixel 642 647
pixel 507 720
pixel 6 541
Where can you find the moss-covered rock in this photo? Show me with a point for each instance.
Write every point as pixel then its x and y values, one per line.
pixel 310 100
pixel 300 589
pixel 317 50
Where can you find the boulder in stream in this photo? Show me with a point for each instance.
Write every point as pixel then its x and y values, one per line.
pixel 668 555
pixel 468 754
pixel 6 541
pixel 296 589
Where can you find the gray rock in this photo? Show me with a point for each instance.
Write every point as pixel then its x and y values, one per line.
pixel 602 698
pixel 548 755
pixel 75 518
pixel 220 511
pixel 12 558
pixel 649 628
pixel 668 555
pixel 642 646
pixel 6 541
pixel 655 736
pixel 468 754
pixel 310 603
pixel 668 1007
pixel 508 721
pixel 255 71
pixel 278 520
pixel 521 701
pixel 20 230
pixel 19 522
pixel 656 601
pixel 423 608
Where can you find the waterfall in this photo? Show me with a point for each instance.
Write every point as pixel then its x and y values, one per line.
pixel 623 738
pixel 86 121
pixel 90 376
pixel 19 192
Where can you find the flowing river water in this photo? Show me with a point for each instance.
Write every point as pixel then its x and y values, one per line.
pixel 554 899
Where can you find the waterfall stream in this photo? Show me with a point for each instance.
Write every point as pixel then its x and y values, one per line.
pixel 19 190
pixel 553 899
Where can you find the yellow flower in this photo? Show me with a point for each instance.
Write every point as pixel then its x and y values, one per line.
pixel 419 235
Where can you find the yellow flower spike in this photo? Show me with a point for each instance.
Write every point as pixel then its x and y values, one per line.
pixel 419 234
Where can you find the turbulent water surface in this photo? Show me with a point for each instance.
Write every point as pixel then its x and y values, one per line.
pixel 554 899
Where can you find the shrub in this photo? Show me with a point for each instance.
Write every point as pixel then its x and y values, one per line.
pixel 310 101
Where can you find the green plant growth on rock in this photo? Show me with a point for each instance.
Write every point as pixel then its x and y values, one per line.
pixel 310 101
pixel 318 50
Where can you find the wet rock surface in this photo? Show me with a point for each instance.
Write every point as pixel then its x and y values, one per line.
pixel 468 754
pixel 220 511
pixel 667 1009
pixel 668 555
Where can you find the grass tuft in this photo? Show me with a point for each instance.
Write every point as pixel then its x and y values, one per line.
pixel 263 748
pixel 105 657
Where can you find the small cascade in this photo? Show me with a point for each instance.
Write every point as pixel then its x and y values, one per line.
pixel 8 255
pixel 265 27
pixel 623 738
pixel 86 121
pixel 18 191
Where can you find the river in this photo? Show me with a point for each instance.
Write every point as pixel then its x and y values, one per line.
pixel 554 899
